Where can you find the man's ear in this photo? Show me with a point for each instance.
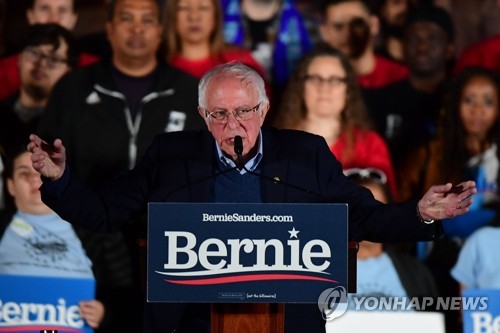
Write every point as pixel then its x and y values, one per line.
pixel 450 51
pixel 73 21
pixel 374 23
pixel 264 109
pixel 323 32
pixel 203 113
pixel 109 29
pixel 30 17
pixel 10 187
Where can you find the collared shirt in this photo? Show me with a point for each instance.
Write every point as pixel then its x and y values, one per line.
pixel 250 165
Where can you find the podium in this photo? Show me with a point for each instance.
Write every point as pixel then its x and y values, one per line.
pixel 247 260
pixel 251 317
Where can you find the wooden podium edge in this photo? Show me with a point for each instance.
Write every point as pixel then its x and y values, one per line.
pixel 248 317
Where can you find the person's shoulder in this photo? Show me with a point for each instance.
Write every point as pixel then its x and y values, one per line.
pixel 182 140
pixel 9 61
pixel 485 233
pixel 486 44
pixel 173 75
pixel 389 63
pixel 293 138
pixel 88 73
pixel 8 103
pixel 368 136
pixel 87 59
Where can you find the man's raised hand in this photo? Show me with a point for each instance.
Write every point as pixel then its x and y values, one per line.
pixel 48 160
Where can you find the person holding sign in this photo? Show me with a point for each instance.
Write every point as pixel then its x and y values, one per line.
pixel 233 160
pixel 37 242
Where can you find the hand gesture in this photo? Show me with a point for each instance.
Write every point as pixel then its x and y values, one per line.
pixel 92 312
pixel 445 201
pixel 49 161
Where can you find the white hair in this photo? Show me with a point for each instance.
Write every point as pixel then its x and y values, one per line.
pixel 232 70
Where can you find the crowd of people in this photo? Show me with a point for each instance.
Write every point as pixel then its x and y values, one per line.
pixel 382 82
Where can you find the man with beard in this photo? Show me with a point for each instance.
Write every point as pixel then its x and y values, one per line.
pixel 351 26
pixel 48 55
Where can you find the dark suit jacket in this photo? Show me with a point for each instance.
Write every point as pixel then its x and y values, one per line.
pixel 180 167
pixel 178 159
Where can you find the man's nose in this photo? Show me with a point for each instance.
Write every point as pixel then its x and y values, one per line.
pixel 232 122
pixel 35 179
pixel 138 27
pixel 54 17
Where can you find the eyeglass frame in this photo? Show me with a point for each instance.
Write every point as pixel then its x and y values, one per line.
pixel 367 174
pixel 332 81
pixel 34 54
pixel 234 113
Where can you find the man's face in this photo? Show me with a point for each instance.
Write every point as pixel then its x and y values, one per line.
pixel 426 48
pixel 335 28
pixel 135 30
pixel 24 186
pixel 230 95
pixel 53 11
pixel 41 67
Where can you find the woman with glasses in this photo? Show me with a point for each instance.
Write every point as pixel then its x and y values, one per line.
pixel 193 37
pixel 323 97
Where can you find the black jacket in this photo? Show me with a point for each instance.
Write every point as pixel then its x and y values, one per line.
pixel 87 112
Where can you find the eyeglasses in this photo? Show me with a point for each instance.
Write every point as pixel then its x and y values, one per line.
pixel 331 81
pixel 33 54
pixel 374 174
pixel 239 114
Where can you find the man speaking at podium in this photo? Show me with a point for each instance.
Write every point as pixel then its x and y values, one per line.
pixel 236 160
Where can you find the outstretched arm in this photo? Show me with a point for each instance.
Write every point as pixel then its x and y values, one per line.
pixel 445 201
pixel 48 160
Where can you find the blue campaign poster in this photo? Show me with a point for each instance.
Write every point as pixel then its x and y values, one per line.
pixel 481 310
pixel 32 304
pixel 238 253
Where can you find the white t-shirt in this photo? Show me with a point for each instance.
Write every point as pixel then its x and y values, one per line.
pixel 478 266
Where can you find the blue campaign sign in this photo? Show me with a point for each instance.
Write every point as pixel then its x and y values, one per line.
pixel 32 304
pixel 238 253
pixel 481 310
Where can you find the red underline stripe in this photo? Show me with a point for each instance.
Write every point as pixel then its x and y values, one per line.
pixel 246 278
pixel 37 328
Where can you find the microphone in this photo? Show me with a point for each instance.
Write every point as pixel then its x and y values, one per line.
pixel 238 150
pixel 238 146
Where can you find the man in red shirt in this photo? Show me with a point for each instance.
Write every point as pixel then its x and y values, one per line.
pixel 62 12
